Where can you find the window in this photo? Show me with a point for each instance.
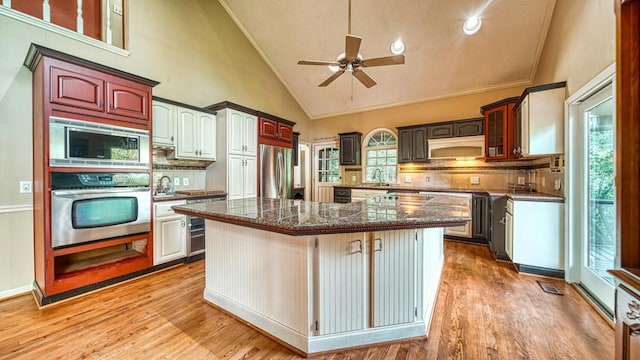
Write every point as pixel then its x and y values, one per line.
pixel 381 156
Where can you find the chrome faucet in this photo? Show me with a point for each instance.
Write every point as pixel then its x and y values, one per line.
pixel 160 189
pixel 379 172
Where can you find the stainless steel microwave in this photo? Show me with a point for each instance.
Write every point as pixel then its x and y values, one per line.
pixel 86 144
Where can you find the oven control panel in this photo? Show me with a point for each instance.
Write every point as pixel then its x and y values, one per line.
pixel 74 180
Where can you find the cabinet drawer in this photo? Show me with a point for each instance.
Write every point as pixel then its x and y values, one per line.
pixel 341 192
pixel 163 209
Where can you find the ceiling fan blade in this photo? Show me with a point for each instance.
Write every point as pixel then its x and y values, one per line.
pixel 352 46
pixel 364 78
pixel 317 62
pixel 387 60
pixel 331 78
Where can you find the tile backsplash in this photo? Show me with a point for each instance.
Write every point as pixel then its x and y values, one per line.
pixel 195 179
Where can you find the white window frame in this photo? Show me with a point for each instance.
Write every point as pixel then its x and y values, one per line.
pixel 365 147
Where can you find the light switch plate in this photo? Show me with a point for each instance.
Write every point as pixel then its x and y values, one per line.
pixel 407 179
pixel 353 178
pixel 176 181
pixel 520 180
pixel 475 180
pixel 185 181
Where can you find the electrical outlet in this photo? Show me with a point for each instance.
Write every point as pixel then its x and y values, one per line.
pixel 353 178
pixel 520 180
pixel 544 181
pixel 25 186
pixel 557 184
pixel 475 180
pixel 176 181
pixel 117 9
pixel 427 179
pixel 407 179
pixel 185 181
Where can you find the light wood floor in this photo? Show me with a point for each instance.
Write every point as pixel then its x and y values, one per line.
pixel 484 311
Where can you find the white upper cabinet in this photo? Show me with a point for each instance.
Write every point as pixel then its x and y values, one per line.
pixel 164 124
pixel 541 116
pixel 196 135
pixel 242 131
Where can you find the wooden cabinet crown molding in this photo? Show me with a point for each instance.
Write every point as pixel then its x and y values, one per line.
pixel 36 52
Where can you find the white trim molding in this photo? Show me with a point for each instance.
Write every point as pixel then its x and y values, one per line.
pixel 7 209
pixel 21 290
pixel 28 19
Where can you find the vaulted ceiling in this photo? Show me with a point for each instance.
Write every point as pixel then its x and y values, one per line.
pixel 441 61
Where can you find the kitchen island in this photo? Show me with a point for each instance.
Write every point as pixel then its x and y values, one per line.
pixel 325 276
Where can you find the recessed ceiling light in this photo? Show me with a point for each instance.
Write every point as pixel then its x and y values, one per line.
pixel 472 25
pixel 397 47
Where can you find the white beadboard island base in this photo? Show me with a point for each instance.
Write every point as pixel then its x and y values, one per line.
pixel 320 293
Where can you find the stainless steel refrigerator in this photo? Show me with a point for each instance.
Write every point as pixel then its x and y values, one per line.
pixel 276 172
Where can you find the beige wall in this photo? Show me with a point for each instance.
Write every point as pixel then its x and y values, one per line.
pixel 192 47
pixel 580 44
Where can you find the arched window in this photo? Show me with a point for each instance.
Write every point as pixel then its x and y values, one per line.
pixel 381 156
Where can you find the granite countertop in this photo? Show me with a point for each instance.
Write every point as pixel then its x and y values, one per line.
pixel 299 217
pixel 174 197
pixel 517 195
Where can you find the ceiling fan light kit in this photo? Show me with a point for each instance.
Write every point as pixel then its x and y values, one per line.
pixel 352 61
pixel 397 47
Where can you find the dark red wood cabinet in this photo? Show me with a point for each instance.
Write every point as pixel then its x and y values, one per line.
pixel 79 90
pixel 499 129
pixel 68 87
pixel 274 132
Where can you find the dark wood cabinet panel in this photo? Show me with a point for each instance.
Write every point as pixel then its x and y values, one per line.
pixel 412 144
pixel 350 147
pixel 499 129
pixel 268 129
pixel 341 195
pixel 295 141
pixel 472 127
pixel 285 132
pixel 440 131
pixel 480 216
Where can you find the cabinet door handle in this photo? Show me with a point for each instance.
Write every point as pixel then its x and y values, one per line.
pixel 171 137
pixel 379 240
pixel 634 311
pixel 111 106
pixel 101 104
pixel 183 223
pixel 503 220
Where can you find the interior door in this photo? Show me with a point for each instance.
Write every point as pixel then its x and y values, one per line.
pixel 598 243
pixel 326 168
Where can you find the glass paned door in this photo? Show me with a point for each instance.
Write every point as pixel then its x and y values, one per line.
pixel 326 171
pixel 599 239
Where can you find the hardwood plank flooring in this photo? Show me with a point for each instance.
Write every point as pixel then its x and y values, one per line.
pixel 485 310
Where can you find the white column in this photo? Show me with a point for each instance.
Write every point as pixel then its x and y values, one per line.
pixel 46 11
pixel 79 20
pixel 108 33
pixel 6 3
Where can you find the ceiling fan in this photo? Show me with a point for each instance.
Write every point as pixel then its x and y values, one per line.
pixel 353 62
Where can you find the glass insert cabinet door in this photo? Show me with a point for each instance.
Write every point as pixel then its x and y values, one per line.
pixel 496 132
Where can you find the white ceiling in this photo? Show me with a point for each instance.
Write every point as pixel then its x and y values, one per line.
pixel 441 61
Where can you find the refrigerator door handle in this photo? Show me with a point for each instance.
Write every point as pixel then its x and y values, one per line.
pixel 279 170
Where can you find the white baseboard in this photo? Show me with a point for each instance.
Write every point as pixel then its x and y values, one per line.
pixel 16 291
pixel 315 344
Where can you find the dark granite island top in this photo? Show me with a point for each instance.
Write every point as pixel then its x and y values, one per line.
pixel 298 217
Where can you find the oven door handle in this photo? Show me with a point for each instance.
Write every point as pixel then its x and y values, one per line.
pixel 73 193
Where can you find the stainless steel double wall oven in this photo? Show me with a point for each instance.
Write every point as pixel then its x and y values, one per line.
pixel 109 198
